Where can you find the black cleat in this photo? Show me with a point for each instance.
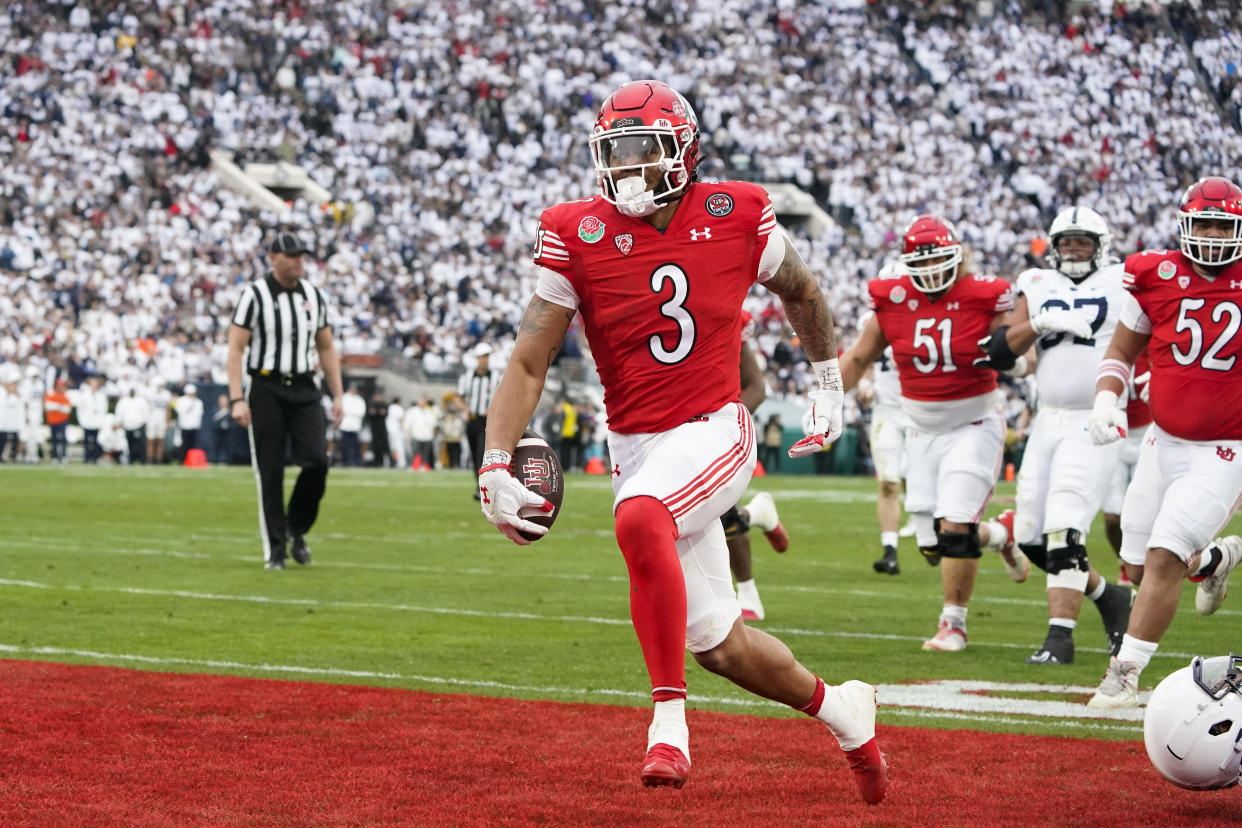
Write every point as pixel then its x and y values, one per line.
pixel 887 565
pixel 1058 648
pixel 299 551
pixel 1114 607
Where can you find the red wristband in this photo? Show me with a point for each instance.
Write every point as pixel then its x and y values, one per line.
pixel 493 467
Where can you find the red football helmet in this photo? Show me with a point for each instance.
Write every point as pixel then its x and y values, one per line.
pixel 1211 200
pixel 931 254
pixel 644 124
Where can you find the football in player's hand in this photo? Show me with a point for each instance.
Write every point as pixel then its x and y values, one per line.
pixel 535 464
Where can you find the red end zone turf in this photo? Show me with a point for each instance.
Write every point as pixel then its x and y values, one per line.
pixel 99 745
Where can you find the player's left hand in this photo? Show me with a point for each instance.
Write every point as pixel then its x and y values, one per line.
pixel 502 496
pixel 822 424
pixel 1108 419
pixel 1017 370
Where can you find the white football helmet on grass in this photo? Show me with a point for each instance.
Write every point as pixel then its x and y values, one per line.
pixel 1193 724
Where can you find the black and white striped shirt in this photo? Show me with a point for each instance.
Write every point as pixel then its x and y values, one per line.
pixel 282 325
pixel 477 389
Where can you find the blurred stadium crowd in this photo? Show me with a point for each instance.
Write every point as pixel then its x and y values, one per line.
pixel 443 129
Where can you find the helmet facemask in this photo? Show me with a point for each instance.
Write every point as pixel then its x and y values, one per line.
pixel 1077 270
pixel 1210 250
pixel 933 269
pixel 620 153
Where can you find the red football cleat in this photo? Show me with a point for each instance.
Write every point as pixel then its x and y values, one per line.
pixel 870 771
pixel 666 765
pixel 778 538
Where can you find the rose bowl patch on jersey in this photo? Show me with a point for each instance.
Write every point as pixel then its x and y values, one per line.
pixel 536 465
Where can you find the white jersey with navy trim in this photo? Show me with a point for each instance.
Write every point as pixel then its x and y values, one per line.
pixel 1065 373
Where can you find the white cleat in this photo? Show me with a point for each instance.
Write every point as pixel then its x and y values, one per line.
pixel 762 512
pixel 852 712
pixel 1017 564
pixel 1119 687
pixel 948 639
pixel 1213 589
pixel 748 599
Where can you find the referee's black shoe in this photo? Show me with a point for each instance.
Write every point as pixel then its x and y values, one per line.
pixel 299 551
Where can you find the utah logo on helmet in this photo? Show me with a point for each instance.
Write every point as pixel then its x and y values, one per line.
pixel 1193 724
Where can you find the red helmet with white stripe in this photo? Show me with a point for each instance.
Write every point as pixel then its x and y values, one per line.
pixel 931 253
pixel 645 125
pixel 1209 219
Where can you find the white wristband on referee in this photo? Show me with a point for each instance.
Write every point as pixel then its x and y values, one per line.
pixel 828 374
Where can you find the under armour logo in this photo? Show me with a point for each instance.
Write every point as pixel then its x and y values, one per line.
pixel 616 470
pixel 695 234
pixel 1235 284
pixel 483 494
pixel 953 306
pixel 1224 453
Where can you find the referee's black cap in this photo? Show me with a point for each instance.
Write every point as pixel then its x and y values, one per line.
pixel 288 243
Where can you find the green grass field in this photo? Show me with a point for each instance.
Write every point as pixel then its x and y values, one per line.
pixel 160 569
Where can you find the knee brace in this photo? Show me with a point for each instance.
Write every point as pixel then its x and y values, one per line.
pixel 734 523
pixel 1065 551
pixel 1037 552
pixel 961 545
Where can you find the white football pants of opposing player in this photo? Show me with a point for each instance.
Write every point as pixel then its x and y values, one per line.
pixel 1182 495
pixel 1064 476
pixel 697 470
pixel 951 475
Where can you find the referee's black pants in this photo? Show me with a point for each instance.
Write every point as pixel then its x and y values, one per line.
pixel 476 438
pixel 287 416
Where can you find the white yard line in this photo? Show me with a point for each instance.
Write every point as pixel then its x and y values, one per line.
pixel 937 700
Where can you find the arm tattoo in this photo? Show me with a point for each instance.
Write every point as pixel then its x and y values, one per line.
pixel 541 315
pixel 806 307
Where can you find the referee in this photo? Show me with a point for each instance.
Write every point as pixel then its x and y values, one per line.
pixel 281 318
pixel 474 391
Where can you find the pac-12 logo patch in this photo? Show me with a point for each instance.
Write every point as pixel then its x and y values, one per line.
pixel 624 243
pixel 897 295
pixel 912 304
pixel 719 204
pixel 1166 269
pixel 590 230
pixel 1183 282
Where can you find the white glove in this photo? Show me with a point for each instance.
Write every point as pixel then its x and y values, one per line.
pixel 506 502
pixel 1108 420
pixel 1064 321
pixel 821 424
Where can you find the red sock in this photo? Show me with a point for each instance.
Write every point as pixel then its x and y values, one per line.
pixel 812 707
pixel 647 536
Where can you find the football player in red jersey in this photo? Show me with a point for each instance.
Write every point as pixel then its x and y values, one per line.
pixel 1185 309
pixel 932 315
pixel 658 265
